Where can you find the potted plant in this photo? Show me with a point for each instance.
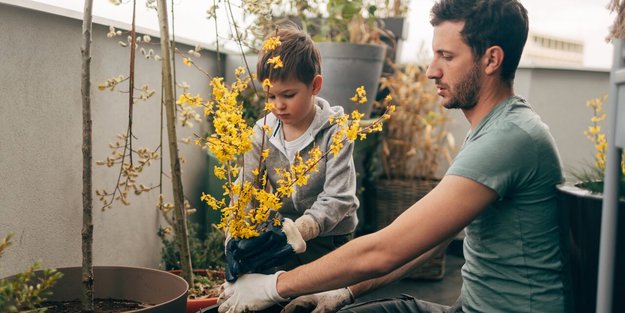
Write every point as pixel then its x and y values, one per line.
pixel 413 144
pixel 168 292
pixel 580 202
pixel 393 15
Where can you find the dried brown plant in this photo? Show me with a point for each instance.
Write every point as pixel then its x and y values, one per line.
pixel 415 138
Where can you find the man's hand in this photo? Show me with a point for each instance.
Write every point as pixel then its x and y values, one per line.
pixel 251 292
pixel 269 249
pixel 323 302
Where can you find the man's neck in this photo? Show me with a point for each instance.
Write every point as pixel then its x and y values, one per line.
pixel 490 96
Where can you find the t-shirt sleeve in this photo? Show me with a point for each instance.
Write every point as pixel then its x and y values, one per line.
pixel 501 160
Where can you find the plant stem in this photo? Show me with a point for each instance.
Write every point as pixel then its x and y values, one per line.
pixel 180 223
pixel 87 156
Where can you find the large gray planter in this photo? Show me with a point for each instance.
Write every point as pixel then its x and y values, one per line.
pixel 581 230
pixel 347 66
pixel 165 291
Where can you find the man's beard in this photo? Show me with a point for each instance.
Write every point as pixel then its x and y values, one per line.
pixel 466 92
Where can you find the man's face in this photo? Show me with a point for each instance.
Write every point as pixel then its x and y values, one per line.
pixel 456 74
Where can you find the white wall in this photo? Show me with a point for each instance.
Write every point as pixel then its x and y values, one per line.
pixel 41 136
pixel 559 96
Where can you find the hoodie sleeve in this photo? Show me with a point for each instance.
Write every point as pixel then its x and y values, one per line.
pixel 338 199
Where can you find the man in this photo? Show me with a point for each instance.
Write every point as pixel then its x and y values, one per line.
pixel 501 187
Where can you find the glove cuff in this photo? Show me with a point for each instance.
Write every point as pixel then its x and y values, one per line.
pixel 308 227
pixel 351 295
pixel 293 236
pixel 275 296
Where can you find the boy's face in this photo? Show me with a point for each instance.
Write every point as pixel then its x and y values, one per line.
pixel 294 101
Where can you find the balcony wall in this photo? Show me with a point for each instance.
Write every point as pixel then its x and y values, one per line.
pixel 41 136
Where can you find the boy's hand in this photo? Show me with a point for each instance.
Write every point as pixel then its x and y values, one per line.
pixel 307 226
pixel 269 249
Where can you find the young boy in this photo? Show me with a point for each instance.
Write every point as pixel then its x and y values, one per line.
pixel 324 210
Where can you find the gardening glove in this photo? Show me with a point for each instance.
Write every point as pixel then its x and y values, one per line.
pixel 251 292
pixel 307 227
pixel 323 302
pixel 269 249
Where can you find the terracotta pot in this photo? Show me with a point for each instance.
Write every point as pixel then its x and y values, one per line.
pixel 195 305
pixel 166 293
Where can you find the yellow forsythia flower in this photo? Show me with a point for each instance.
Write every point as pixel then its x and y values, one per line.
pixel 271 43
pixel 276 61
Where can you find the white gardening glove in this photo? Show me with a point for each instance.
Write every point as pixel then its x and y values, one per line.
pixel 294 236
pixel 307 227
pixel 251 292
pixel 323 302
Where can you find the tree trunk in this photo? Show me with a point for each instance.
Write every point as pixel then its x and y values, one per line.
pixel 180 217
pixel 87 155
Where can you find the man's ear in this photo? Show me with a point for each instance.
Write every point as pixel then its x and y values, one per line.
pixel 493 59
pixel 317 82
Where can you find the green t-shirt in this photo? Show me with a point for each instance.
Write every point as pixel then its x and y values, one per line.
pixel 512 249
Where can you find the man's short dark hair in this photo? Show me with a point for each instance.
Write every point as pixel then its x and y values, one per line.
pixel 488 23
pixel 298 52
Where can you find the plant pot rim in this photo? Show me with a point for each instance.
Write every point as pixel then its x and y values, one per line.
pixel 571 188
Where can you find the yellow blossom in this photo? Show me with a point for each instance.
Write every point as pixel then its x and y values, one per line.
pixel 267 84
pixel 276 61
pixel 269 106
pixel 187 61
pixel 220 172
pixel 271 43
pixel 239 71
pixel 265 154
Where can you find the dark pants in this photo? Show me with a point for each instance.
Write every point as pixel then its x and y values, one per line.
pixel 316 248
pixel 402 304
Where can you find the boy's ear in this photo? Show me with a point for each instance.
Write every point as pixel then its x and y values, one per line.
pixel 317 82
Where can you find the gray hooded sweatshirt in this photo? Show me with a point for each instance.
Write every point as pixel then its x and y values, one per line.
pixel 330 194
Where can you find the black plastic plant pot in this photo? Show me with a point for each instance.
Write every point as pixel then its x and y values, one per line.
pixel 581 233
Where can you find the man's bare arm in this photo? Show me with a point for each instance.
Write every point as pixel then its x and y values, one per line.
pixel 441 214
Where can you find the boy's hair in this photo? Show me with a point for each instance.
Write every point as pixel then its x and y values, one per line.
pixel 488 23
pixel 299 54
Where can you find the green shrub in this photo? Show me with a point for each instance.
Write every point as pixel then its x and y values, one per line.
pixel 26 290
